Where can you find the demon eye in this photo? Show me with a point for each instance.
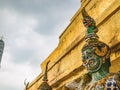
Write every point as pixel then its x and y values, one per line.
pixel 85 62
pixel 91 61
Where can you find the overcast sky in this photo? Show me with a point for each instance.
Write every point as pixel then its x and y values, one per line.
pixel 31 30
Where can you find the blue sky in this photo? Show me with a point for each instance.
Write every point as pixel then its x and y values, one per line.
pixel 31 30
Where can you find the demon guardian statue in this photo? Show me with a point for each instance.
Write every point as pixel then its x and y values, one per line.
pixel 96 59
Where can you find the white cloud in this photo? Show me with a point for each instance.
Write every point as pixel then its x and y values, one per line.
pixel 23 49
pixel 13 75
pixel 19 36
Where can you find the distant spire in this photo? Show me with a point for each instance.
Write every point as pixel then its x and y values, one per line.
pixel 1 48
pixel 45 85
pixel 45 73
pixel 26 84
pixel 2 37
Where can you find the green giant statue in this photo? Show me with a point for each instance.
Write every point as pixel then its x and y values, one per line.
pixel 96 59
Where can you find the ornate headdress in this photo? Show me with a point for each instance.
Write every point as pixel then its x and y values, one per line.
pixel 95 46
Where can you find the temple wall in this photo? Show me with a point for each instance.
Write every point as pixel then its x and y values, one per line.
pixel 65 61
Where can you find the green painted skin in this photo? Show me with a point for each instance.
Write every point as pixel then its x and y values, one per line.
pixel 95 66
